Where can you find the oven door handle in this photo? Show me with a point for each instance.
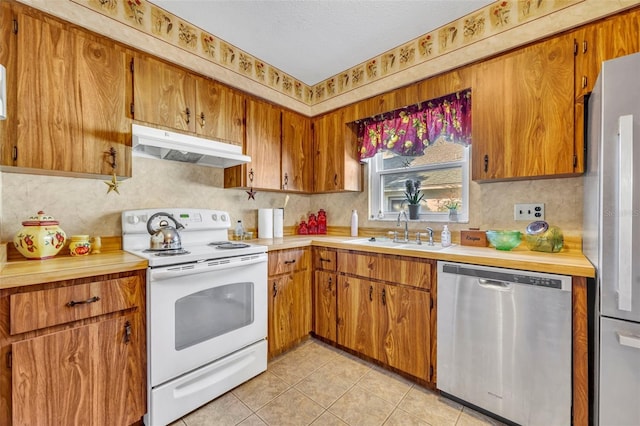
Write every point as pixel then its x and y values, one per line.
pixel 199 268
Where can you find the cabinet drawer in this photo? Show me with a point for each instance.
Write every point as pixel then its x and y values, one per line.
pixel 285 261
pixel 45 308
pixel 324 259
pixel 393 269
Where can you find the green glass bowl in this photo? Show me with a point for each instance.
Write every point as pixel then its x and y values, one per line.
pixel 504 240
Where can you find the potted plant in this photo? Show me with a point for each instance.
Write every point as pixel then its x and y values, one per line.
pixel 452 206
pixel 413 197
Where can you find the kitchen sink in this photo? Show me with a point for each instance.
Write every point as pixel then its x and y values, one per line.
pixel 387 242
pixel 376 242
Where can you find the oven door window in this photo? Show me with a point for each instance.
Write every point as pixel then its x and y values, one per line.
pixel 213 312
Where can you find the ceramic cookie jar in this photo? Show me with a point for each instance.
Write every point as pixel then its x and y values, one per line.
pixel 40 237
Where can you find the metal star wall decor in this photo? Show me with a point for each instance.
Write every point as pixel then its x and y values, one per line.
pixel 113 183
pixel 251 192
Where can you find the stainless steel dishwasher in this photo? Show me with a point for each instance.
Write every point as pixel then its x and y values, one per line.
pixel 504 342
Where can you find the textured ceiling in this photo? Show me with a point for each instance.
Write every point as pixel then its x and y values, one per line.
pixel 313 40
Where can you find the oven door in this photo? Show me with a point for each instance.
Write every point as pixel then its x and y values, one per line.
pixel 203 311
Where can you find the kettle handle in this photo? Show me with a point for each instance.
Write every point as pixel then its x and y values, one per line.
pixel 169 216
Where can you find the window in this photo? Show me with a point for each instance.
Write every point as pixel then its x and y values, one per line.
pixel 443 173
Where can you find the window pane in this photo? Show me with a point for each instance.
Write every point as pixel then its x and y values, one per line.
pixel 439 152
pixel 440 187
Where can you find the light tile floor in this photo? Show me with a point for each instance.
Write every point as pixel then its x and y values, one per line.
pixel 316 384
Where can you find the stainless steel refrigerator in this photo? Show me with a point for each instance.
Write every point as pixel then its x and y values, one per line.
pixel 611 238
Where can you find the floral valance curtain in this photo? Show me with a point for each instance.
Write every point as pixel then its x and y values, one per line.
pixel 408 131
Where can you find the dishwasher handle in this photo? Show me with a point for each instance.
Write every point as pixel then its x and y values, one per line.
pixel 494 284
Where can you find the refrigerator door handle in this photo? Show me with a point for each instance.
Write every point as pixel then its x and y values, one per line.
pixel 627 339
pixel 625 212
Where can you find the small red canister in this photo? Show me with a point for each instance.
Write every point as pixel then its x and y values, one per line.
pixel 322 222
pixel 313 224
pixel 302 228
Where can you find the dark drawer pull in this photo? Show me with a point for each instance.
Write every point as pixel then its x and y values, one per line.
pixel 322 259
pixel 289 262
pixel 83 302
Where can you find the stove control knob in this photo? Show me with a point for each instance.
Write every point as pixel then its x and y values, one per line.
pixel 133 219
pixel 214 217
pixel 223 217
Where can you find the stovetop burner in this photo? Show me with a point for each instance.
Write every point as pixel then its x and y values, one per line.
pixel 228 245
pixel 164 253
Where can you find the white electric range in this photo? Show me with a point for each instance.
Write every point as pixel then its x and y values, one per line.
pixel 206 309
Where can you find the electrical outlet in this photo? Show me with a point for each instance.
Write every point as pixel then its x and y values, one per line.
pixel 530 212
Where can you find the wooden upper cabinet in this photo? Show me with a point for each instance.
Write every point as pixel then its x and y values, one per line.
pixel 594 43
pixel 164 95
pixel 219 112
pixel 262 144
pixel 523 113
pixel 296 151
pixel 336 164
pixel 105 87
pixel 72 97
pixel 614 37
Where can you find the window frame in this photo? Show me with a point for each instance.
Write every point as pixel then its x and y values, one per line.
pixel 376 195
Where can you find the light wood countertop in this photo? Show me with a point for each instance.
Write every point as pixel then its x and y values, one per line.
pixel 28 272
pixel 566 262
pixel 17 273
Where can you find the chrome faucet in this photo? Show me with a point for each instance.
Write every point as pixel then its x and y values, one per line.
pixel 406 225
pixel 430 232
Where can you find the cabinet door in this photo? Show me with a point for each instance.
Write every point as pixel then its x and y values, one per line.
pixel 85 375
pixel 219 112
pixel 325 314
pixel 329 153
pixel 49 130
pixel 104 84
pixel 358 315
pixel 523 113
pixel 297 146
pixel 404 329
pixel 289 310
pixel 8 58
pixel 72 98
pixel 614 37
pixel 263 145
pixel 164 95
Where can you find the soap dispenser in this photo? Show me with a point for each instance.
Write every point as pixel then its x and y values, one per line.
pixel 445 237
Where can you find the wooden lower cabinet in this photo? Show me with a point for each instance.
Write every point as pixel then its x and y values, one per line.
pixel 61 378
pixel 325 305
pixel 387 322
pixel 289 306
pixel 87 371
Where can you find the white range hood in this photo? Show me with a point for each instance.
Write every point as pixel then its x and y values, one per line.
pixel 160 144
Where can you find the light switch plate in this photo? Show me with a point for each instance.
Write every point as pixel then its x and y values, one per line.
pixel 529 212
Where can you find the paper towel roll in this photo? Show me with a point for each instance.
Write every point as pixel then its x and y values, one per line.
pixel 278 223
pixel 265 223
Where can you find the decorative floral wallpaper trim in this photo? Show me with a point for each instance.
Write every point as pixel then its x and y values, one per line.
pixel 493 19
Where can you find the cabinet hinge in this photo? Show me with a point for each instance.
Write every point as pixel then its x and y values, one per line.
pixel 131 109
pixel 131 65
pixel 14 153
pixel 575 161
pixel 431 372
pixel 575 48
pixel 431 303
pixel 9 359
pixel 15 26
